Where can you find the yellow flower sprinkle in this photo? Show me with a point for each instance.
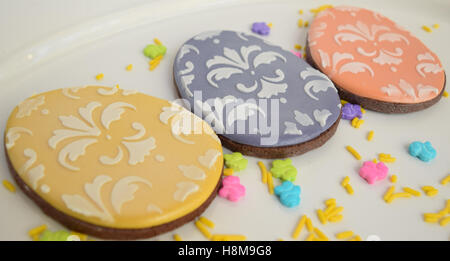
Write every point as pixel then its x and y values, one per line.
pixel 370 135
pixel 228 172
pixel 99 76
pixel 37 231
pixel 263 169
pixel 353 152
pixel 298 47
pixel 129 67
pixel 349 189
pixel 177 237
pixel 411 191
pixel 9 186
pixel 300 22
pixel 426 29
pixel 309 225
pixel 393 178
pixel 201 227
pixel 445 94
pixel 345 234
pixel 321 216
pixel 299 227
pixel 445 180
pixel 436 26
pixel 206 222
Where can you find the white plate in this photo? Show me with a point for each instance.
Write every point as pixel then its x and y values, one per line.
pixel 107 44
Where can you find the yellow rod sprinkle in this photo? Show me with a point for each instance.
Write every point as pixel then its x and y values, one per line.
pixel 388 193
pixel 393 178
pixel 432 193
pixel 345 181
pixel 345 234
pixel 430 220
pixel 320 234
pixel 270 182
pixel 375 161
pixel 359 123
pixel 343 102
pixel 411 191
pixel 426 29
pixel 309 225
pixel 306 23
pixel 349 189
pixel 444 221
pixel 310 237
pixel 331 201
pixel 356 238
pixel 9 186
pixel 206 222
pixel 270 25
pixel 445 94
pixel 370 135
pixel 436 26
pixel 228 172
pixel 99 76
pixel 37 230
pixel 220 237
pixel 300 11
pixel 354 122
pixel 153 66
pixel 157 41
pixel 298 47
pixel 263 169
pixel 433 215
pixel 398 195
pixel 445 180
pixel 177 237
pixel 363 110
pixel 336 211
pixel 336 218
pixel 329 209
pixel 201 227
pixel 321 216
pixel 300 22
pixel 353 152
pixel 129 67
pixel 299 227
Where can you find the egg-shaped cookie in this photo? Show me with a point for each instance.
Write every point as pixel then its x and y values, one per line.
pixel 262 100
pixel 373 61
pixel 113 163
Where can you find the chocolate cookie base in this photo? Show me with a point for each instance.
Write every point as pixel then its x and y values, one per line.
pixel 77 225
pixel 278 152
pixel 377 105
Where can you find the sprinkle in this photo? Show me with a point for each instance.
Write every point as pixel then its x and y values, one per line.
pixel 309 225
pixel 336 218
pixel 328 210
pixel 263 172
pixel 157 41
pixel 411 191
pixel 219 237
pixel 35 232
pixel 228 172
pixel 321 216
pixel 345 181
pixel 310 237
pixel 99 76
pixel 356 238
pixel 269 25
pixel 445 94
pixel 336 211
pixel 306 23
pixel 430 220
pixel 83 237
pixel 177 237
pixel 353 152
pixel 436 26
pixel 375 161
pixel 430 191
pixel 201 227
pixel 304 55
pixel 280 239
pixel 320 234
pixel 388 193
pixel 445 180
pixel 331 201
pixel 299 227
pixel 370 135
pixel 363 110
pixel 300 11
pixel 270 183
pixel 386 158
pixel 300 22
pixel 433 215
pixel 129 67
pixel 349 189
pixel 9 186
pixel 117 86
pixel 206 222
pixel 298 47
pixel 320 9
pixel 343 102
pixel 426 29
pixel 444 221
pixel 398 195
pixel 344 235
pixel 393 178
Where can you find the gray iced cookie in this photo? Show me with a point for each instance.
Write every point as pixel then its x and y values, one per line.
pixel 261 100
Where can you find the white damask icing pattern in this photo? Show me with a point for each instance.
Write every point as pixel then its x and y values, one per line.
pixel 79 204
pixel 129 92
pixel 26 107
pixel 13 134
pixel 33 174
pixel 124 189
pixel 87 135
pixel 209 159
pixel 233 62
pixel 428 66
pixel 107 91
pixel 192 172
pixel 184 189
pixel 321 116
pixel 316 85
pixel 68 92
pixel 45 188
pixel 154 208
pixel 291 128
pixel 187 77
pixel 303 118
pixel 207 35
pixel 404 88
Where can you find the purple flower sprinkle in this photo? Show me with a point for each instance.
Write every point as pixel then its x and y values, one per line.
pixel 350 111
pixel 260 28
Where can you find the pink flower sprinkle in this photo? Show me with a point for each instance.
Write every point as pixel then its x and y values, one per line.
pixel 372 172
pixel 232 189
